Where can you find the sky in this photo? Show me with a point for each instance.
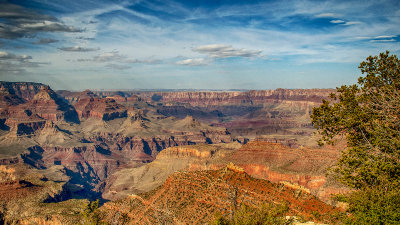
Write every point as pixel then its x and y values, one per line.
pixel 193 44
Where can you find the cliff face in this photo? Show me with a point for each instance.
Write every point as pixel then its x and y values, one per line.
pixel 27 117
pixel 15 93
pixel 28 196
pixel 88 105
pixel 237 98
pixel 23 90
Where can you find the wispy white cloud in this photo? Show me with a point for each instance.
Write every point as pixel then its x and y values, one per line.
pixel 326 15
pixel 296 32
pixel 337 21
pixel 352 23
pixel 109 56
pixel 16 64
pixel 144 61
pixel 117 66
pixel 383 40
pixel 193 62
pixel 78 49
pixel 10 56
pixel 226 51
pixel 385 36
pixel 17 22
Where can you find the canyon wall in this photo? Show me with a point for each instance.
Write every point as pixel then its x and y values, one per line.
pixel 207 98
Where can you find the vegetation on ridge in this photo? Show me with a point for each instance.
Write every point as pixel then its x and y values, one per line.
pixel 367 115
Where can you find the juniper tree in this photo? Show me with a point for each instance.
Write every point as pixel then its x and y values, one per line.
pixel 367 114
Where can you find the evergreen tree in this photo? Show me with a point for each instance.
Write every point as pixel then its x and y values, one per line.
pixel 367 114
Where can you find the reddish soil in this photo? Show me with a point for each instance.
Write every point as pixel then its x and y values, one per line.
pixel 17 189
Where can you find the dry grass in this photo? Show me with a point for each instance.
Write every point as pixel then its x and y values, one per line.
pixel 7 174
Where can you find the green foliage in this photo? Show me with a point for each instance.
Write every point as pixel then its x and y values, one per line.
pixel 263 215
pixel 374 206
pixel 367 114
pixel 90 214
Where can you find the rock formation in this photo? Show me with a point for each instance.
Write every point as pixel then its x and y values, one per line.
pixel 195 197
pixel 31 115
pixel 91 106
pixel 112 144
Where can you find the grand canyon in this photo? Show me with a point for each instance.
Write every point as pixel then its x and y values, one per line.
pixel 142 153
pixel 199 112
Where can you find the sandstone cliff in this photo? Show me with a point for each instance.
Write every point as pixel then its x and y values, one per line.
pixel 236 98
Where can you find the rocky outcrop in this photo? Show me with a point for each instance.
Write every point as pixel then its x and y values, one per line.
pixel 74 97
pixel 25 128
pixel 88 166
pixel 100 108
pixel 182 152
pixel 195 197
pixel 45 105
pixel 34 198
pixel 302 166
pixel 180 158
pixel 15 93
pixel 23 90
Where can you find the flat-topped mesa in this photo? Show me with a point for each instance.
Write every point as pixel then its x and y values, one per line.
pixel 199 98
pixel 100 108
pixel 24 90
pixel 312 95
pixel 73 97
pixel 31 115
pixel 47 105
pixel 15 93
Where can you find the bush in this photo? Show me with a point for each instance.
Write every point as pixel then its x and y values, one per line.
pixel 264 214
pixel 374 206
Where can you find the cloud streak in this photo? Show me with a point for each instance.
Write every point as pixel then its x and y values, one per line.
pixel 18 22
pixel 192 62
pixel 226 51
pixel 11 56
pixel 78 49
pixel 117 66
pixel 327 15
pixel 16 64
pixel 44 41
pixel 337 21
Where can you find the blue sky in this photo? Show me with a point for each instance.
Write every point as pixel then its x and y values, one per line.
pixel 101 44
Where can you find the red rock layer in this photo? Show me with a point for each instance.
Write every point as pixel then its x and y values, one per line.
pixel 24 90
pixel 236 98
pixel 100 108
pixel 276 162
pixel 195 197
pixel 45 105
